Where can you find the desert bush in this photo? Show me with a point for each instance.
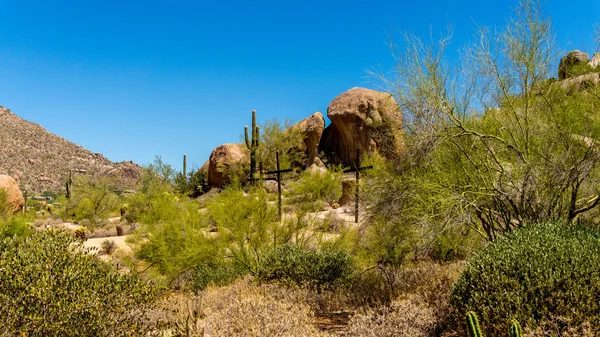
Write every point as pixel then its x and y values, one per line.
pixel 92 198
pixel 176 245
pixel 404 317
pixel 50 286
pixel 534 274
pixel 246 310
pixel 108 246
pixel 213 274
pixel 315 189
pixel 16 225
pixel 282 138
pixel 289 263
pixel 247 224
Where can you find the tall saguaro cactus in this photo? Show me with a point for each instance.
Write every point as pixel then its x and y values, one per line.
pixel 68 185
pixel 185 168
pixel 252 144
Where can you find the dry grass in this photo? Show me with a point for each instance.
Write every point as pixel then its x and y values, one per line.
pixel 248 309
pixel 418 301
pixel 241 309
pixel 410 317
pixel 560 327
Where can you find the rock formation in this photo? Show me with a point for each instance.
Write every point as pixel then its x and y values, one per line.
pixel 365 119
pixel 570 60
pixel 311 129
pixel 13 193
pixel 41 160
pixel 348 191
pixel 225 161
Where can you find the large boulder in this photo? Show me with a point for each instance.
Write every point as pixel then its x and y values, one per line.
pixel 362 118
pixel 311 129
pixel 595 62
pixel 226 161
pixel 13 193
pixel 572 59
pixel 348 191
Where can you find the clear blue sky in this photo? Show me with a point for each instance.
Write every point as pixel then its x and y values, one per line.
pixel 135 79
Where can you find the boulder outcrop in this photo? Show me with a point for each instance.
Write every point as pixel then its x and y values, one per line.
pixel 13 193
pixel 362 118
pixel 572 59
pixel 226 161
pixel 311 129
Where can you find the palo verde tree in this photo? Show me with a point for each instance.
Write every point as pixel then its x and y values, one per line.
pixel 493 142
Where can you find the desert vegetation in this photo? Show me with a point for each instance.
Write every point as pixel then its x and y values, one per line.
pixel 486 223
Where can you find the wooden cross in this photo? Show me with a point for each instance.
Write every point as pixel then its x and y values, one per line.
pixel 357 169
pixel 278 179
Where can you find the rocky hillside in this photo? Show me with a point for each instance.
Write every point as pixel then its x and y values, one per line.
pixel 40 160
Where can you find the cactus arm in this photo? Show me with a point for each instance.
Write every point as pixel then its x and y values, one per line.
pixel 248 145
pixel 515 328
pixel 473 325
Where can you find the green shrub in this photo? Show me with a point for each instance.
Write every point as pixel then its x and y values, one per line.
pixel 315 189
pixel 50 286
pixel 108 246
pixel 216 274
pixel 14 226
pixel 288 263
pixel 533 275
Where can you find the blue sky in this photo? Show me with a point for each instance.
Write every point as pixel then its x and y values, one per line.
pixel 135 79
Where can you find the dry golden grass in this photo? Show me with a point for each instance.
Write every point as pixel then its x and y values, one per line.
pixel 410 317
pixel 241 309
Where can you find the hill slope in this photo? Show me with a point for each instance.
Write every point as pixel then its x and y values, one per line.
pixel 41 160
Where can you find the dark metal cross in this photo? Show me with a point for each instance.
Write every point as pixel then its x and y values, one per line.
pixel 357 169
pixel 278 179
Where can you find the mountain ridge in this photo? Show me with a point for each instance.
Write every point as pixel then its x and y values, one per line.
pixel 41 161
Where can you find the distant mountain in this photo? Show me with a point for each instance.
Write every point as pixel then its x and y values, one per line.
pixel 41 161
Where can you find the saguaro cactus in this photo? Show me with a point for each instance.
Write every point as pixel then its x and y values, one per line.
pixel 473 325
pixel 68 185
pixel 185 168
pixel 515 329
pixel 252 144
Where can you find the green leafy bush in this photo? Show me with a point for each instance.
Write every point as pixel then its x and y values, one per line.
pixel 108 246
pixel 315 189
pixel 289 263
pixel 50 286
pixel 533 275
pixel 14 226
pixel 216 274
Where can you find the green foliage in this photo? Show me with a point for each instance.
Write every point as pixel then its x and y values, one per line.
pixel 579 69
pixel 217 274
pixel 14 226
pixel 108 246
pixel 49 286
pixel 289 263
pixel 172 238
pixel 534 274
pixel 491 145
pixel 315 189
pixel 282 138
pixel 91 198
pixel 163 172
pixel 473 325
pixel 247 224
